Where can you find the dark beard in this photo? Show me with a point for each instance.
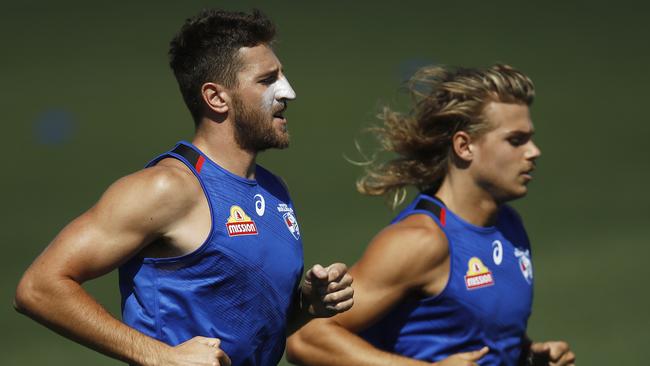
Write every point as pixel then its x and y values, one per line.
pixel 254 129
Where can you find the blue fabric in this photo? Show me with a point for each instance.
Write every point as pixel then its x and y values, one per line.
pixel 238 285
pixel 484 303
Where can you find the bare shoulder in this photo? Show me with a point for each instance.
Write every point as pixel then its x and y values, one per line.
pixel 132 212
pixel 171 177
pixel 404 258
pixel 159 193
pixel 410 249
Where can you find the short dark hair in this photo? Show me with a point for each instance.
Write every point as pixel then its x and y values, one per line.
pixel 205 49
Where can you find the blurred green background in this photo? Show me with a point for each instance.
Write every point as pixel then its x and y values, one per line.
pixel 87 97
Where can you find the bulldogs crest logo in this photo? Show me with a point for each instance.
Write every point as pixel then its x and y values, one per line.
pixel 289 219
pixel 292 224
pixel 525 265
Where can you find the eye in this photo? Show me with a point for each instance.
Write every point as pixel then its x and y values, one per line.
pixel 514 141
pixel 518 140
pixel 269 80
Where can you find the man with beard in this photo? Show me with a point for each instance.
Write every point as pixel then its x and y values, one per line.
pixel 206 241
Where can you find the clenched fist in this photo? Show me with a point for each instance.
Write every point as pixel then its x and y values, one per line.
pixel 199 351
pixel 327 291
pixel 552 353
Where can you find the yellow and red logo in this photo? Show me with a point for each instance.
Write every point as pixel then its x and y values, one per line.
pixel 478 275
pixel 239 223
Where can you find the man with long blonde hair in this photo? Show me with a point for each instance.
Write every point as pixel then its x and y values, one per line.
pixel 450 281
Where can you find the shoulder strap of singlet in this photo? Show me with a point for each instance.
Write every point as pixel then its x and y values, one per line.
pixel 185 153
pixel 438 210
pixel 191 155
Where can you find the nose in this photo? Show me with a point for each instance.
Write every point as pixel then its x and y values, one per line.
pixel 284 90
pixel 534 151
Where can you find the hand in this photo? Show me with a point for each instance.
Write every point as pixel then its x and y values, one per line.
pixel 464 359
pixel 327 291
pixel 553 353
pixel 200 351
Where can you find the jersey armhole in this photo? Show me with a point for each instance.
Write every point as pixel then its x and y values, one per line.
pixel 432 298
pixel 437 211
pixel 176 154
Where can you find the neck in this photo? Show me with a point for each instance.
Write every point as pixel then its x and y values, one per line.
pixel 220 146
pixel 468 200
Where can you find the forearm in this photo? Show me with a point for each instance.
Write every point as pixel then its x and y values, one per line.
pixel 299 316
pixel 324 343
pixel 65 307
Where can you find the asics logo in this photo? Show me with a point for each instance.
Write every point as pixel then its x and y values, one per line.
pixel 497 252
pixel 260 205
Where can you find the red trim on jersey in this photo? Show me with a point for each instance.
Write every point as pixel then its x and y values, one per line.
pixel 443 216
pixel 199 164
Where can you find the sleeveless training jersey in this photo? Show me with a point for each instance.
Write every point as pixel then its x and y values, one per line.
pixel 487 299
pixel 239 284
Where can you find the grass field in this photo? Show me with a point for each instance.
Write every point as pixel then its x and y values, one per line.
pixel 87 97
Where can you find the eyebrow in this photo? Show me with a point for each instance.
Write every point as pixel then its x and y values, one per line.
pixel 531 132
pixel 274 71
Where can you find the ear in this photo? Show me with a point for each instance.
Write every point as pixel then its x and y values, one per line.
pixel 216 97
pixel 462 145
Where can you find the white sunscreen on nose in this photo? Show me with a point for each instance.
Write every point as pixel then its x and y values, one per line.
pixel 280 89
pixel 284 89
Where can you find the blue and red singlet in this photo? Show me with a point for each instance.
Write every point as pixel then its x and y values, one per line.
pixel 239 284
pixel 487 299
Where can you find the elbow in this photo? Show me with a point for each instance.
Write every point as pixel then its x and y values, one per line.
pixel 24 295
pixel 313 344
pixel 296 349
pixel 19 305
pixel 28 296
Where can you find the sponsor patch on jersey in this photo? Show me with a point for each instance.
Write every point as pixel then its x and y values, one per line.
pixel 239 223
pixel 478 275
pixel 525 265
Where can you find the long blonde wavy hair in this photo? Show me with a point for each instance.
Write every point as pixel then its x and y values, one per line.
pixel 445 101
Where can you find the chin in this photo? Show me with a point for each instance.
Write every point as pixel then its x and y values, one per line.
pixel 280 143
pixel 282 139
pixel 274 139
pixel 511 195
pixel 521 192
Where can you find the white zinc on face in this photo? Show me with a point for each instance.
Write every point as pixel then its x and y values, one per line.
pixel 280 89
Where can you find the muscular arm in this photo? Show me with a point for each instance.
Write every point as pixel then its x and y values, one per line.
pixel 133 211
pixel 406 257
